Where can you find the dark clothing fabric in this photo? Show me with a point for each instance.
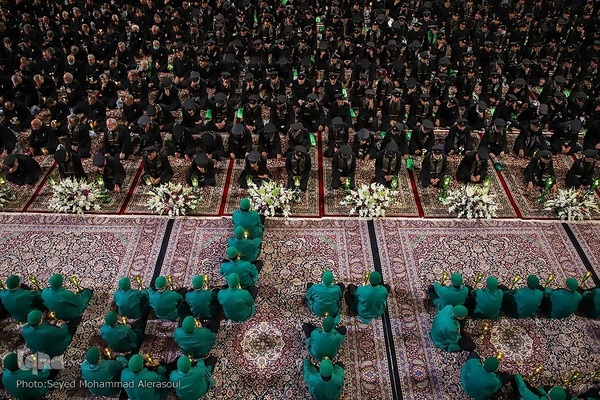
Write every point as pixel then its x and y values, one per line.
pixel 470 167
pixel 27 173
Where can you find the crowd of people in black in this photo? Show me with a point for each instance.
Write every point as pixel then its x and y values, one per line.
pixel 372 79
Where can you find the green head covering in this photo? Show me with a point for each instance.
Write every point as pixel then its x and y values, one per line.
pixel 326 368
pixel 232 253
pixel 239 232
pixel 459 311
pixel 533 281
pixel 375 278
pixel 492 283
pixel 327 278
pixel 93 356
pixel 12 282
pixel 124 283
pixel 11 362
pixel 328 324
pixel 136 363
pixel 491 364
pixel 188 325
pixel 197 281
pixel 245 204
pixel 56 281
pixel 34 317
pixel 184 364
pixel 456 280
pixel 160 282
pixel 233 280
pixel 572 284
pixel 557 393
pixel 111 318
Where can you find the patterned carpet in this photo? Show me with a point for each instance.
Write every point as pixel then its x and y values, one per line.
pixel 415 253
pixel 98 250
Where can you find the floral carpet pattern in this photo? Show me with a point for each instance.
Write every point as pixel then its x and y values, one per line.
pixel 262 357
pixel 98 250
pixel 415 253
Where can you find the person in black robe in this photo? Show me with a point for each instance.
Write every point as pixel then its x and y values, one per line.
pixel 473 167
pixel 112 171
pixel 434 167
pixel 298 163
pixel 69 164
pixel 157 168
pixel 581 173
pixel 539 169
pixel 256 168
pixel 202 170
pixel 343 166
pixel 22 169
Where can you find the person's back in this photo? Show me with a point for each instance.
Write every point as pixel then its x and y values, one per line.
pixel 325 383
pixel 102 377
pixel 65 304
pixel 194 341
pixel 248 219
pixel 237 303
pixel 130 303
pixel 43 337
pixel 119 337
pixel 488 301
pixel 526 301
pixel 248 249
pixel 19 302
pixel 563 302
pixel 191 383
pixel 322 343
pixel 202 301
pixel 445 328
pixel 590 303
pixel 454 295
pixel 163 301
pixel 24 383
pixel 324 298
pixel 142 384
pixel 477 381
pixel 371 302
pixel 246 270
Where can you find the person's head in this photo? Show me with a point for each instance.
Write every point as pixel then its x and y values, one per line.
pixel 56 281
pixel 124 284
pixel 11 362
pixel 459 312
pixel 136 363
pixel 111 124
pixel 533 282
pixel 572 284
pixel 374 278
pixel 491 283
pixel 326 368
pixel 557 393
pixel 184 364
pixel 111 318
pixel 189 324
pixel 491 364
pixel 327 278
pixel 545 156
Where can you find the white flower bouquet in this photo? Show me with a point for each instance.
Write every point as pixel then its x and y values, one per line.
pixel 75 196
pixel 573 204
pixel 270 198
pixel 172 199
pixel 472 201
pixel 369 201
pixel 6 193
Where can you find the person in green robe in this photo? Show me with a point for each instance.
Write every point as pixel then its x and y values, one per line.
pixel 247 271
pixel 562 303
pixel 454 295
pixel 523 302
pixel 132 303
pixel 248 219
pixel 480 380
pixel 248 249
pixel 325 382
pixel 191 383
pixel 51 338
pixel 24 383
pixel 141 383
pixel 446 330
pixel 102 377
pixel 324 341
pixel 526 392
pixel 488 301
pixel 166 303
pixel 590 303
pixel 325 297
pixel 202 301
pixel 66 304
pixel 19 300
pixel 237 303
pixel 194 339
pixel 119 336
pixel 368 301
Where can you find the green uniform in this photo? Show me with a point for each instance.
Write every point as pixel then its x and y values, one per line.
pixel 250 221
pixel 46 338
pixel 203 303
pixel 196 344
pixel 321 343
pixel 324 298
pixel 121 338
pixel 445 330
pixel 487 303
pixel 103 378
pixel 523 302
pixel 320 389
pixel 455 296
pixel 477 382
pixel 165 303
pixel 238 304
pixel 590 303
pixel 370 302
pixel 19 302
pixel 563 303
pixel 66 304
pixel 248 249
pixel 525 393
pixel 246 270
pixel 131 303
pixel 15 383
pixel 145 384
pixel 193 384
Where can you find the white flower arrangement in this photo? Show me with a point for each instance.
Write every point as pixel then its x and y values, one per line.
pixel 6 193
pixel 369 201
pixel 75 196
pixel 270 198
pixel 573 204
pixel 172 199
pixel 472 201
